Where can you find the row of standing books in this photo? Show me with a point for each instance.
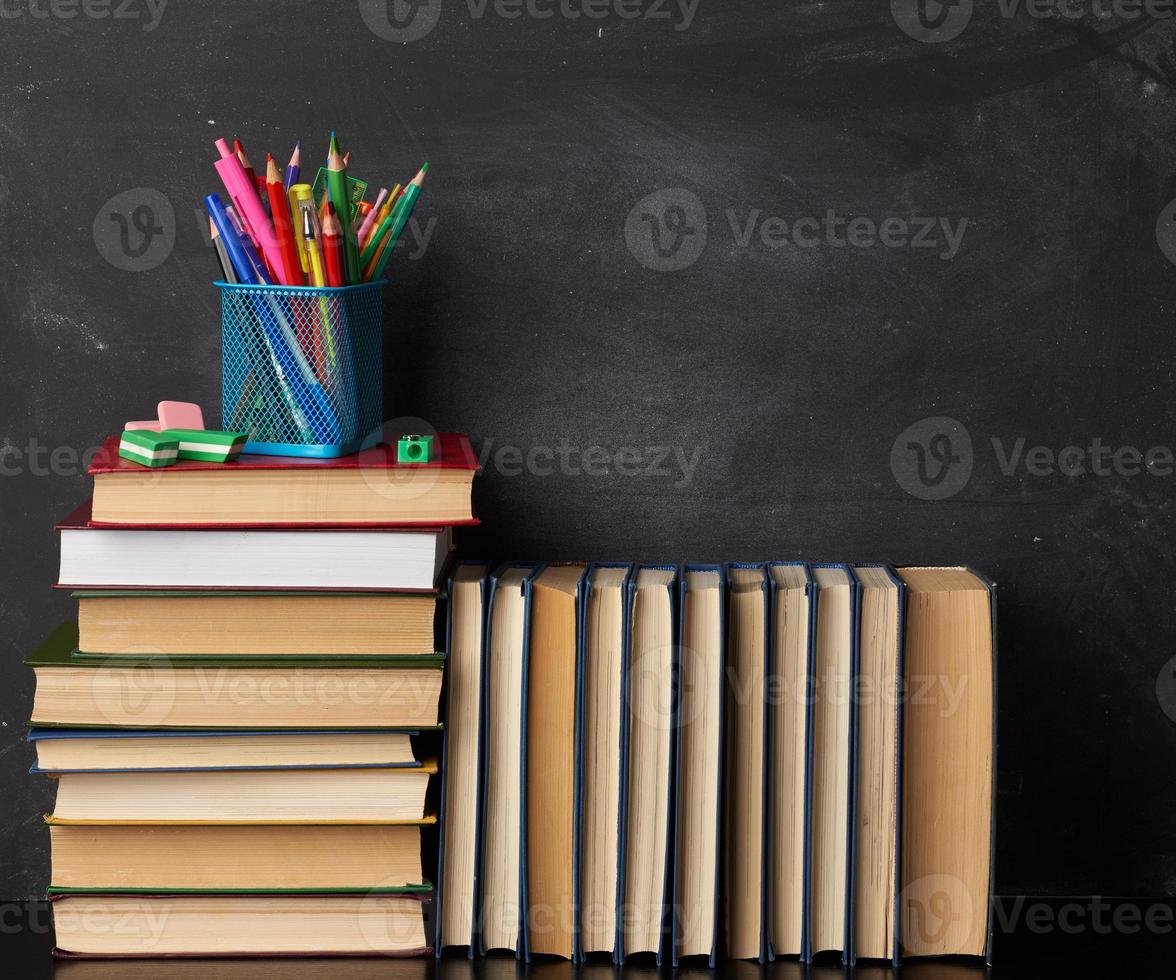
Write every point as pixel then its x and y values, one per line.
pixel 746 761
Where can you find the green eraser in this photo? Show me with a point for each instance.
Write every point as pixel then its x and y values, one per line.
pixel 207 445
pixel 414 449
pixel 149 448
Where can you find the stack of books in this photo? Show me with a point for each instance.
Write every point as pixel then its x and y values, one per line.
pixel 749 761
pixel 243 724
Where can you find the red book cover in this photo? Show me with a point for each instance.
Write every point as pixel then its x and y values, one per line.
pixel 452 451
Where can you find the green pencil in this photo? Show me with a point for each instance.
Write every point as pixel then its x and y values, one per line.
pixel 337 191
pixel 399 219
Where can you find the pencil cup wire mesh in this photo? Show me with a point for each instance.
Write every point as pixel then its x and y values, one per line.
pixel 302 367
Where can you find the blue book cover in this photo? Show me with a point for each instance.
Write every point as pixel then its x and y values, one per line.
pixel 630 762
pixel 479 722
pixel 530 569
pixel 684 681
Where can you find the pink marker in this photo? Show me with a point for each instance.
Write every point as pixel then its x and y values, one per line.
pixel 248 205
pixel 369 221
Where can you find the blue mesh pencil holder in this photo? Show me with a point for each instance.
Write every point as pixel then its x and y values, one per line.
pixel 303 367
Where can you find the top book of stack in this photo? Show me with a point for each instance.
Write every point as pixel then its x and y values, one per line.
pixel 368 489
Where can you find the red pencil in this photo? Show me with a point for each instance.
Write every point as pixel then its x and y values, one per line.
pixel 333 247
pixel 240 151
pixel 280 212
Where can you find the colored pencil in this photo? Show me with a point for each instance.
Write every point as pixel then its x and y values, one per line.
pixel 399 219
pixel 293 168
pixel 389 202
pixel 337 192
pixel 333 249
pixel 244 197
pixel 280 209
pixel 261 273
pixel 239 150
pixel 222 253
pixel 370 219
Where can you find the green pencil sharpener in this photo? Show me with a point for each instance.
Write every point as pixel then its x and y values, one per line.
pixel 414 449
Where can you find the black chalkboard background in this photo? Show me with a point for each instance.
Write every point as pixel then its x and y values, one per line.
pixel 640 392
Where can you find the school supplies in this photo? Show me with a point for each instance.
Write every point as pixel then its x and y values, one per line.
pixel 356 189
pixel 293 168
pixel 265 230
pixel 292 274
pixel 310 243
pixel 230 241
pixel 148 448
pixel 239 152
pixel 389 203
pixel 261 271
pixel 180 415
pixel 243 193
pixel 301 196
pixel 333 248
pixel 222 252
pixel 152 426
pixel 398 219
pixel 206 445
pixel 414 449
pixel 370 218
pixel 337 192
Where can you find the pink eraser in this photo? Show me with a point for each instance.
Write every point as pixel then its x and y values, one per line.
pixel 180 415
pixel 152 426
